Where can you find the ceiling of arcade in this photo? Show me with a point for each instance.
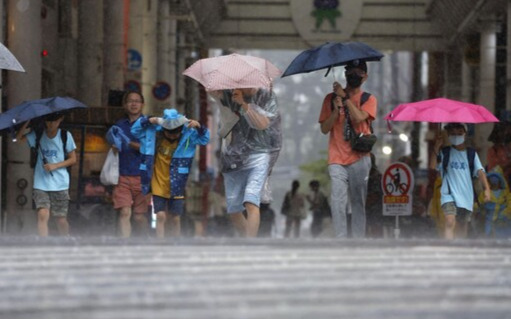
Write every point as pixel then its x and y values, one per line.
pixel 297 24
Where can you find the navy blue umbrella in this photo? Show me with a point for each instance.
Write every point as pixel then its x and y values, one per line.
pixel 329 55
pixel 29 110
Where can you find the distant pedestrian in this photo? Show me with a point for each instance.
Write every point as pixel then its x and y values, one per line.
pixel 267 220
pixel 51 177
pixel 166 162
pixel 319 207
pixel 296 210
pixel 127 195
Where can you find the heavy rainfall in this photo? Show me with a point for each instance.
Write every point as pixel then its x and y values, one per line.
pixel 157 164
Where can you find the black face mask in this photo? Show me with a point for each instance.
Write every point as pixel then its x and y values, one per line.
pixel 354 80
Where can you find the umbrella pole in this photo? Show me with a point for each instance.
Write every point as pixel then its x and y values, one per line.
pixel 333 73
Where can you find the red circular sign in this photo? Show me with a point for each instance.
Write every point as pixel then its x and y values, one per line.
pixel 392 184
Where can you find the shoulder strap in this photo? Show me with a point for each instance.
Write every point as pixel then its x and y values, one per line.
pixel 471 154
pixel 446 152
pixel 365 96
pixel 63 137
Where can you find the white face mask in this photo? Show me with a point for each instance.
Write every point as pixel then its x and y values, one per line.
pixel 456 139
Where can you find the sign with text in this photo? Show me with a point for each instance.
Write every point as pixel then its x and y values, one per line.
pixel 397 184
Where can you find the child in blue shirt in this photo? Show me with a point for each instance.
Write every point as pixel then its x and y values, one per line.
pixel 51 177
pixel 457 194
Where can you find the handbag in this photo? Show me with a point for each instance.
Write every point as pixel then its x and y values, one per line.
pixel 110 171
pixel 363 142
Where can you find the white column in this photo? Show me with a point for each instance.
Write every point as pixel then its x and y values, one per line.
pixel 466 82
pixel 114 48
pixel 135 43
pixel 149 53
pixel 166 52
pixel 486 87
pixel 90 52
pixel 24 41
pixel 173 71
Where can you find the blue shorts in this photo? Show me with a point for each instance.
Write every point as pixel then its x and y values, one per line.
pixel 245 185
pixel 169 205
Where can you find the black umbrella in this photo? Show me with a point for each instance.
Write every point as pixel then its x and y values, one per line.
pixel 329 55
pixel 29 110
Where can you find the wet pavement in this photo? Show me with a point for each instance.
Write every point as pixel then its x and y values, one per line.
pixel 260 278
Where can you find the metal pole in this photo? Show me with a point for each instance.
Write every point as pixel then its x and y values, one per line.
pixel 396 230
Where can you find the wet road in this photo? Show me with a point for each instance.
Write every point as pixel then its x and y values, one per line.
pixel 264 278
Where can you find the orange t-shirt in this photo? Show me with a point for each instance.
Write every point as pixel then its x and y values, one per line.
pixel 339 150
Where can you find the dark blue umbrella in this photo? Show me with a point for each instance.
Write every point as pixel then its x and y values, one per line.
pixel 329 55
pixel 29 110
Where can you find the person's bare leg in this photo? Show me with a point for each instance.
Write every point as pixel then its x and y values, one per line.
pixel 240 223
pixel 253 219
pixel 124 221
pixel 289 225
pixel 161 218
pixel 43 215
pixel 199 228
pixel 175 226
pixel 141 223
pixel 450 224
pixel 63 226
pixel 298 225
pixel 461 229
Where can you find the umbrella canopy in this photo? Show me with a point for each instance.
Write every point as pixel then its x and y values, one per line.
pixel 329 55
pixel 441 110
pixel 234 71
pixel 8 61
pixel 29 110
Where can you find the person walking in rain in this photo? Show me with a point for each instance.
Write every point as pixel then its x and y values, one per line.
pixel 51 177
pixel 348 169
pixel 296 211
pixel 166 162
pixel 248 152
pixel 457 193
pixel 127 195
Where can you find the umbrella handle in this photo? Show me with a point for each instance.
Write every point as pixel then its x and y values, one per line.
pixel 389 127
pixel 328 71
pixel 12 131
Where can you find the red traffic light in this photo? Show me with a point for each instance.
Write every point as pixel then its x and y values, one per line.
pixel 44 53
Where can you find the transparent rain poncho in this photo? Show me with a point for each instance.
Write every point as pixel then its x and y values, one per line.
pixel 257 130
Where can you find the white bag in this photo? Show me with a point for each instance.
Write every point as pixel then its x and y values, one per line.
pixel 110 171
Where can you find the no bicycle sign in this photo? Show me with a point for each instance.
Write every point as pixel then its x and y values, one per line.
pixel 397 184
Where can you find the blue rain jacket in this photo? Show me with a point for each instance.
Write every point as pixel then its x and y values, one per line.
pixel 181 160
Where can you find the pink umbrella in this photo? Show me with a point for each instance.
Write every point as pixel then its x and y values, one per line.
pixel 441 110
pixel 234 71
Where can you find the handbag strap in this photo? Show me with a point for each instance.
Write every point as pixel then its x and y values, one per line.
pixel 365 96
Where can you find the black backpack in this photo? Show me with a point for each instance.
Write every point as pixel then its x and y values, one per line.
pixel 34 151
